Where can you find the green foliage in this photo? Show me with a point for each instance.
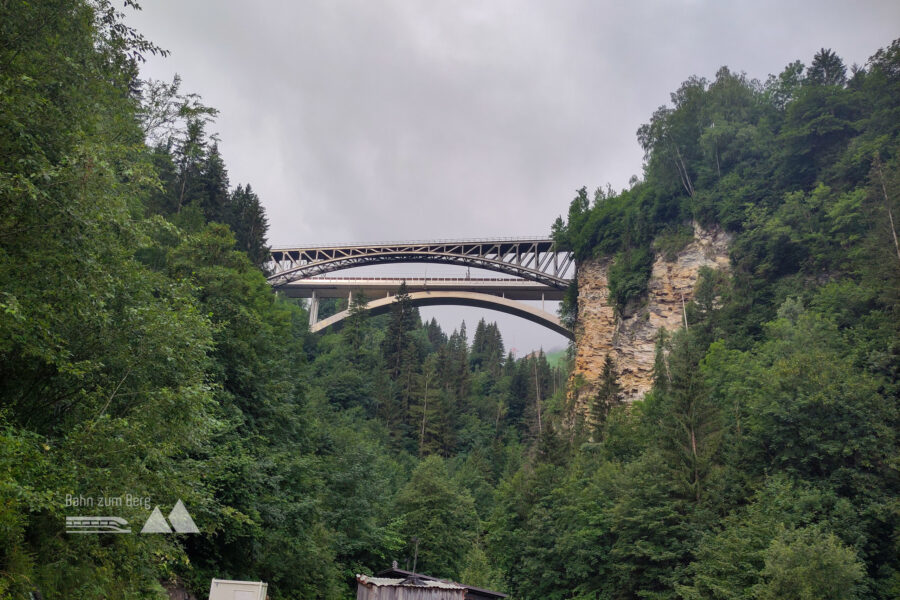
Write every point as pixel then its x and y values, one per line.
pixel 732 562
pixel 807 564
pixel 487 348
pixel 247 218
pixel 568 308
pixel 437 519
pixel 609 395
pixel 627 278
pixel 479 572
pixel 672 240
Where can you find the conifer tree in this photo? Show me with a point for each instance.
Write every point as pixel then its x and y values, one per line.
pixel 403 319
pixel 435 334
pixel 608 396
pixel 213 187
pixel 426 412
pixel 356 325
pixel 441 515
pixel 402 359
pixel 458 367
pixel 247 218
pixel 827 68
pixel 487 348
pixel 520 390
pixel 189 153
pixel 690 423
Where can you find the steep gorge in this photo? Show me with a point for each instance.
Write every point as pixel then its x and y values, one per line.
pixel 630 340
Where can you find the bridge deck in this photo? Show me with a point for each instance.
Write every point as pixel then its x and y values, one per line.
pixel 379 287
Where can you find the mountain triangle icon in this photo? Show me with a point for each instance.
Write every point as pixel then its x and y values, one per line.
pixel 156 523
pixel 181 521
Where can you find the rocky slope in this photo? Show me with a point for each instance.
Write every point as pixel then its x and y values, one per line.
pixel 630 341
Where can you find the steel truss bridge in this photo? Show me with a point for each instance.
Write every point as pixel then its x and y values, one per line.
pixel 533 269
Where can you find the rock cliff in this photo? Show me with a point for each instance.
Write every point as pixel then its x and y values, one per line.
pixel 631 341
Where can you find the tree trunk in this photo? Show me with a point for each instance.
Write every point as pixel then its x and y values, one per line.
pixel 537 391
pixel 424 413
pixel 887 204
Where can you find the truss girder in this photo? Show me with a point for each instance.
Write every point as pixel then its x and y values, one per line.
pixel 533 259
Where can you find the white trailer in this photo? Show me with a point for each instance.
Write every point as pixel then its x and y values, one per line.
pixel 224 589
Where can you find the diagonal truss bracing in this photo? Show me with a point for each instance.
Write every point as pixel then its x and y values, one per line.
pixel 535 259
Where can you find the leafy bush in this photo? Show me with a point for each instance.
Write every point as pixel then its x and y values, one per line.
pixel 627 278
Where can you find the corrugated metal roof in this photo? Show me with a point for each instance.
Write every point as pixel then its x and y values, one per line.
pixel 471 591
pixel 390 581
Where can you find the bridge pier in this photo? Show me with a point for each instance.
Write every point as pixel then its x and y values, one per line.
pixel 313 309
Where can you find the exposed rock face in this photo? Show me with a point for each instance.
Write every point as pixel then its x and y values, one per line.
pixel 631 341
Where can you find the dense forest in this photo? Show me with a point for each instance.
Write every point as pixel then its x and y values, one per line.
pixel 142 353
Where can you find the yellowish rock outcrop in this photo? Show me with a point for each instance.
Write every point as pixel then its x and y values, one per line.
pixel 631 341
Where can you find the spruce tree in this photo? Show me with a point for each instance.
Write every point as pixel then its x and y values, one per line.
pixel 213 187
pixel 247 218
pixel 396 340
pixel 689 421
pixel 190 151
pixel 402 359
pixel 608 396
pixel 356 325
pixel 435 334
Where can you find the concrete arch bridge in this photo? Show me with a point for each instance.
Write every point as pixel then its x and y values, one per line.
pixel 533 270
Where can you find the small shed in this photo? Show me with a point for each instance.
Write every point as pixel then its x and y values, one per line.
pixel 409 588
pixel 471 592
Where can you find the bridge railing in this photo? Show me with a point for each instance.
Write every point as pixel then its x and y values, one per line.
pixel 535 238
pixel 416 278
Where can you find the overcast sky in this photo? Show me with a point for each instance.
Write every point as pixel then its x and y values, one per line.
pixel 376 120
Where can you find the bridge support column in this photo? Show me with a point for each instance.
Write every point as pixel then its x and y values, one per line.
pixel 313 309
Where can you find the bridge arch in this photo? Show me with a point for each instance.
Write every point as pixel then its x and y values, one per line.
pixel 459 298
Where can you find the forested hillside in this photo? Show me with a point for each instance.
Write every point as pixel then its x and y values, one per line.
pixel 764 462
pixel 142 353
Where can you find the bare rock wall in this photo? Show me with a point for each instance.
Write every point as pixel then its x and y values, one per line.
pixel 631 341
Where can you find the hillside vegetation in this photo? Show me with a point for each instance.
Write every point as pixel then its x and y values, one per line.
pixel 142 353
